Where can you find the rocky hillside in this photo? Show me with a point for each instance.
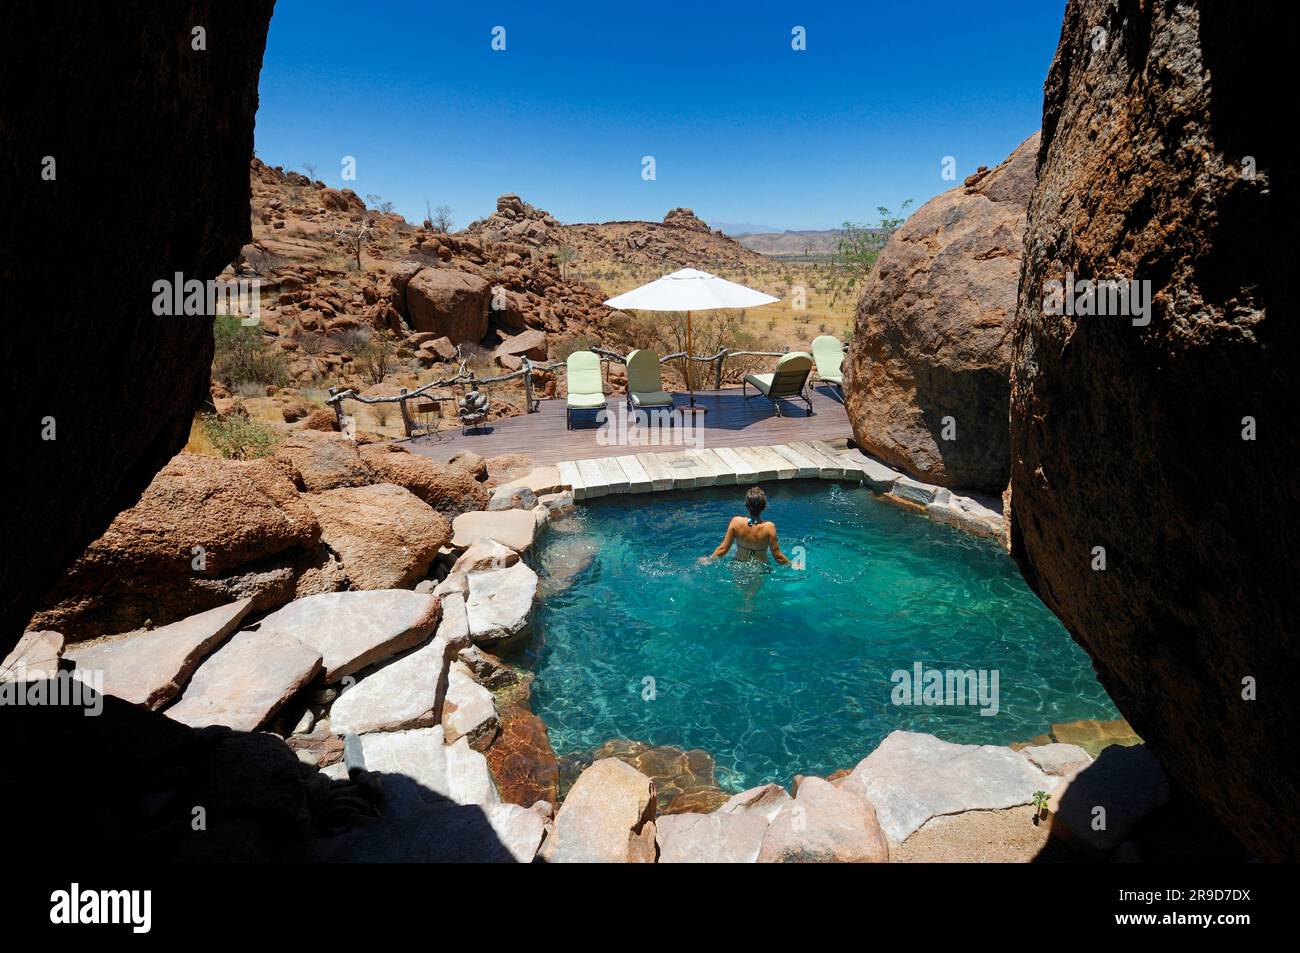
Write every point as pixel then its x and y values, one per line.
pixel 680 239
pixel 424 291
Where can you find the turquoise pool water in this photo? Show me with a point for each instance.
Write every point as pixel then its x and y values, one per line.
pixel 775 671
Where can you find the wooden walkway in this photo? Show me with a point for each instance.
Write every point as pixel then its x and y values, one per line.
pixel 731 421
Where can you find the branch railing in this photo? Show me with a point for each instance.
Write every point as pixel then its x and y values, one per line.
pixel 469 379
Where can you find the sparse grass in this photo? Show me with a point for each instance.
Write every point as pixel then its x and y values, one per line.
pixel 243 356
pixel 236 437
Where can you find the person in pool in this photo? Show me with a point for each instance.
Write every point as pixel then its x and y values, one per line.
pixel 753 536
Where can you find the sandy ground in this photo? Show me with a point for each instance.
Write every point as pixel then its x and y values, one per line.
pixel 1008 836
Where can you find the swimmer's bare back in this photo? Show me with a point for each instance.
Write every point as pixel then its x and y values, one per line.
pixel 752 540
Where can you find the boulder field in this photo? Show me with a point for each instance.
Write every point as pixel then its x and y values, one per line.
pixel 1153 458
pixel 319 516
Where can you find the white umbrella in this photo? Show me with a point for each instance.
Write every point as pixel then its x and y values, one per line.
pixel 690 290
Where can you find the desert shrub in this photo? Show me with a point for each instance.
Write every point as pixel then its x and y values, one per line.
pixel 243 355
pixel 372 354
pixel 237 437
pixel 560 350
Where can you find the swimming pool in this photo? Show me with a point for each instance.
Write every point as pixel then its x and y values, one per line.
pixel 776 671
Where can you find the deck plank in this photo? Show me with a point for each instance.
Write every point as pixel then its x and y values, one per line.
pixel 730 422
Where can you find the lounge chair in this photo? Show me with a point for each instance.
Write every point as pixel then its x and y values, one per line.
pixel 586 389
pixel 645 385
pixel 787 382
pixel 828 352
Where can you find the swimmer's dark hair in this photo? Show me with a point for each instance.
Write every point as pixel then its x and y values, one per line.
pixel 755 501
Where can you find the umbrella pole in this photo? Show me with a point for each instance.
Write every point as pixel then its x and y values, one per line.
pixel 690 371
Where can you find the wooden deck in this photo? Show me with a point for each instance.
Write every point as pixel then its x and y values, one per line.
pixel 731 421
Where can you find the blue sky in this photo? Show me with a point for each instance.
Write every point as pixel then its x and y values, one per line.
pixel 742 128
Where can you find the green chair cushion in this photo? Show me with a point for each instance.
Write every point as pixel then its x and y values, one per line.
pixel 655 398
pixel 585 401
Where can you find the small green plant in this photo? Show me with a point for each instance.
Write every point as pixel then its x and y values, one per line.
pixel 1040 804
pixel 237 437
pixel 243 356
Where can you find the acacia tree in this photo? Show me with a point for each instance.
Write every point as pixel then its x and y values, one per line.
pixel 353 238
pixel 442 218
pixel 858 249
pixel 564 255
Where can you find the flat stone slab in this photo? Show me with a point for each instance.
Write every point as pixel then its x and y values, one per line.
pixel 499 606
pixel 913 777
pixel 150 668
pixel 914 491
pixel 407 693
pixel 543 480
pixel 34 658
pixel 245 682
pixel 419 769
pixel 1057 760
pixel 717 838
pixel 513 528
pixel 469 710
pixel 354 629
pixel 443 833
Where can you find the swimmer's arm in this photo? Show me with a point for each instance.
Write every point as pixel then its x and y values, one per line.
pixel 776 550
pixel 726 541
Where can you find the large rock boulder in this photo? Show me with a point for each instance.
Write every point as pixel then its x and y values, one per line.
pixel 607 817
pixel 1162 160
pixel 449 490
pixel 318 460
pixel 450 303
pixel 927 375
pixel 823 824
pixel 205 533
pixel 126 88
pixel 385 535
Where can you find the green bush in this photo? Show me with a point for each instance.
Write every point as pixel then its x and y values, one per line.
pixel 243 356
pixel 237 437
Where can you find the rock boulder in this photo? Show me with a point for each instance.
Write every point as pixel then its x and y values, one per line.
pixel 1171 444
pixel 932 339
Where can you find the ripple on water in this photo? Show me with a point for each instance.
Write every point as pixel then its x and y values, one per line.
pixel 776 672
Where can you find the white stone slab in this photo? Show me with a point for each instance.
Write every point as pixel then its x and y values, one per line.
pixel 661 476
pixel 638 481
pixel 570 474
pixel 593 478
pixel 783 468
pixel 743 469
pixel 832 469
pixel 803 466
pixel 723 472
pixel 762 467
pixel 613 473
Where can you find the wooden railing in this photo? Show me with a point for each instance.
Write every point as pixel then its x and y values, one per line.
pixel 463 379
